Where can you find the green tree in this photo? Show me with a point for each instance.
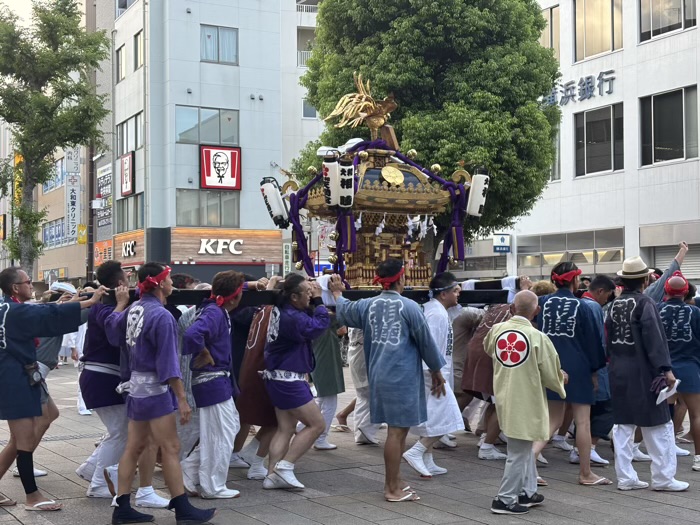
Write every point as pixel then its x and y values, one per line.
pixel 48 100
pixel 468 76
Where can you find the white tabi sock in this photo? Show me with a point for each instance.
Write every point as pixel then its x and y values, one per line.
pixel 257 460
pixel 419 448
pixel 251 448
pixel 284 464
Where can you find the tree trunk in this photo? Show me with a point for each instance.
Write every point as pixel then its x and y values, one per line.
pixel 26 233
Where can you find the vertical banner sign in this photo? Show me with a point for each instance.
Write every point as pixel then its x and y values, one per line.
pixel 2 227
pixel 127 173
pixel 287 266
pixel 72 207
pixel 72 161
pixel 104 189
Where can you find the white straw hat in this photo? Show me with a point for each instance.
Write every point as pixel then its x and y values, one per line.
pixel 634 268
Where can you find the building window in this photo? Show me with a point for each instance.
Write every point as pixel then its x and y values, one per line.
pixel 208 208
pixel 550 35
pixel 123 5
pixel 598 27
pixel 130 134
pixel 658 17
pixel 121 64
pixel 53 233
pixel 130 213
pixel 308 111
pixel 555 170
pixel 669 126
pixel 58 179
pixel 206 125
pixel 599 140
pixel 138 50
pixel 219 44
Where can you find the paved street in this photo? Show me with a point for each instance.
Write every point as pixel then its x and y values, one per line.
pixel 345 486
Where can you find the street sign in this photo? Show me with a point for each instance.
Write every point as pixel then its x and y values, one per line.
pixel 501 243
pixel 82 234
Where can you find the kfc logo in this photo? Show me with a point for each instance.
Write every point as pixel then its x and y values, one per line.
pixel 220 167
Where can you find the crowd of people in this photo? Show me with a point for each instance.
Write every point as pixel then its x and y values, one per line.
pixel 184 387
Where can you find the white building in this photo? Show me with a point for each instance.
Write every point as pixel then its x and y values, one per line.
pixel 206 102
pixel 627 180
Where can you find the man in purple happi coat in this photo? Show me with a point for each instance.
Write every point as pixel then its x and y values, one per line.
pixel 155 392
pixel 209 339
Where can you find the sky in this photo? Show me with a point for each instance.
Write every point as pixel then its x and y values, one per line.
pixel 22 8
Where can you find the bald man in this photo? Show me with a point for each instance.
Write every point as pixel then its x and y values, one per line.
pixel 525 362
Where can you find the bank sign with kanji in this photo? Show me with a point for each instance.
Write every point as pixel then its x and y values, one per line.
pixel 586 88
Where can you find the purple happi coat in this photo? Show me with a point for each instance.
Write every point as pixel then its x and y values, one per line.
pixel 150 333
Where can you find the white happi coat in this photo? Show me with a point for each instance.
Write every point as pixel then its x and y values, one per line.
pixel 444 415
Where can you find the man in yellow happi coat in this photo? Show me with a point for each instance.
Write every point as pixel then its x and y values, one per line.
pixel 525 362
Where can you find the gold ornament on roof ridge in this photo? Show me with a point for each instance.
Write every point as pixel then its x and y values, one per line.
pixel 357 108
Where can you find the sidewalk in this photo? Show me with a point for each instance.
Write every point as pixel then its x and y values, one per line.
pixel 344 487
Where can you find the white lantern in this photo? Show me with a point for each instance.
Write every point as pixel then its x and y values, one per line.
pixel 477 195
pixel 276 206
pixel 346 183
pixel 331 179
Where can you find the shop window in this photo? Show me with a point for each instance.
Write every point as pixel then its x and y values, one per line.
pixel 206 125
pixel 130 213
pixel 613 238
pixel 599 140
pixel 658 17
pixel 669 126
pixel 550 35
pixel 208 208
pixel 598 26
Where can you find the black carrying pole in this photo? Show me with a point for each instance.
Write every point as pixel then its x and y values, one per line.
pixel 250 298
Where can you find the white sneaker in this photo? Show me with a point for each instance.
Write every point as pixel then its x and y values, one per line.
pixel 561 443
pixel 445 443
pixel 85 471
pixel 324 445
pixel 674 486
pixel 633 486
pixel 222 494
pixel 287 474
pixel 415 458
pixel 98 492
pixel 574 457
pixel 111 475
pixel 482 440
pixel 257 471
pixel 638 455
pixel 431 466
pixel 596 459
pixel 237 461
pixel 37 473
pixel 542 459
pixel 491 452
pixel 681 451
pixel 149 498
pixel 696 462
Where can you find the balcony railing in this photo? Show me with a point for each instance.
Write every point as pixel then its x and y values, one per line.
pixel 304 8
pixel 303 57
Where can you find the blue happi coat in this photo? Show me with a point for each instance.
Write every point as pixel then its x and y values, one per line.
pixel 19 325
pixel 603 392
pixel 682 325
pixel 396 342
pixel 578 338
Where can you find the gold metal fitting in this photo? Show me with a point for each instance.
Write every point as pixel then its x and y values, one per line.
pixel 436 168
pixel 412 154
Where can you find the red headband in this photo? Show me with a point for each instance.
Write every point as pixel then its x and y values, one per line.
pixel 565 277
pixel 386 282
pixel 152 282
pixel 676 291
pixel 221 300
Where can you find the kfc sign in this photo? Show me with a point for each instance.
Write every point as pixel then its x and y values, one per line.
pixel 129 249
pixel 217 246
pixel 220 167
pixel 127 173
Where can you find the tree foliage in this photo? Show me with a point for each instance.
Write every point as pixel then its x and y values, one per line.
pixel 47 98
pixel 468 76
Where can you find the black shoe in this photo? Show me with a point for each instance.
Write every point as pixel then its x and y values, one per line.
pixel 532 501
pixel 498 507
pixel 125 514
pixel 187 514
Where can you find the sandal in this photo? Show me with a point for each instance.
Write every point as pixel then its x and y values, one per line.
pixel 6 502
pixel 44 506
pixel 541 482
pixel 599 481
